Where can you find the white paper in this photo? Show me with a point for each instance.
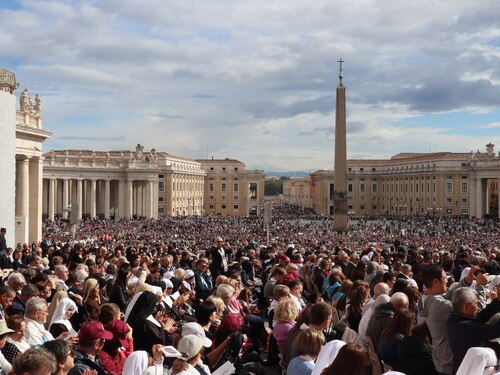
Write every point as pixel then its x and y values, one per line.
pixel 226 369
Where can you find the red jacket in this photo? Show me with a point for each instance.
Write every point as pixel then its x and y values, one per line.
pixel 114 365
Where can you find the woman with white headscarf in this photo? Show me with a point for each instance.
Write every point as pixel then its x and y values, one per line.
pixel 136 363
pixel 60 320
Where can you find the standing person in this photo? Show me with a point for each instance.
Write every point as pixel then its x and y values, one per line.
pixel 219 259
pixel 3 241
pixel 437 307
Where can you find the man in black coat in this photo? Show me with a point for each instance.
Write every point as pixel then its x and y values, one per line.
pixel 3 241
pixel 6 259
pixel 218 255
pixel 464 331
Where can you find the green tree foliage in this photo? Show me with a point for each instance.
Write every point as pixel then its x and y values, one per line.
pixel 274 186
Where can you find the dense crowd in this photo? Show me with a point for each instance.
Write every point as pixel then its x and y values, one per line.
pixel 215 295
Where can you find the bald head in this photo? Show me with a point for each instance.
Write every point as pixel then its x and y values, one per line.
pixel 381 288
pixel 221 279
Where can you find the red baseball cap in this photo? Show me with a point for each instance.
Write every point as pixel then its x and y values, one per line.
pixel 92 331
pixel 119 329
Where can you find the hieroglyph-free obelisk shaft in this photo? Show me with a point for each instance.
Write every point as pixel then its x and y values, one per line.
pixel 340 166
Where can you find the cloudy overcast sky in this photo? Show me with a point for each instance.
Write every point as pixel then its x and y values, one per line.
pixel 255 80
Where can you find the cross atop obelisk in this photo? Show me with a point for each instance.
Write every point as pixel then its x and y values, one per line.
pixel 340 71
pixel 340 167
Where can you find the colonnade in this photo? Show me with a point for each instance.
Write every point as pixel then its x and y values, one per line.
pixel 28 206
pixel 481 197
pixel 107 197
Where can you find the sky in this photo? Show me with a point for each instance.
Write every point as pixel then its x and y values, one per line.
pixel 255 80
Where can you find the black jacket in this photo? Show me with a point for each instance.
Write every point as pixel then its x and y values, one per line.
pixel 465 333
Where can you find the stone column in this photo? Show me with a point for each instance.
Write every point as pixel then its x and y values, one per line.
pixel 93 188
pixel 140 200
pixel 129 198
pixel 52 198
pixel 35 199
pixel 65 198
pixel 155 199
pixel 121 198
pixel 106 198
pixel 478 198
pixel 79 197
pixel 22 198
pixel 22 186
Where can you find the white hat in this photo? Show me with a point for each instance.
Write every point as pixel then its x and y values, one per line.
pixel 494 282
pixel 189 274
pixel 190 346
pixel 4 329
pixel 196 329
pixel 168 275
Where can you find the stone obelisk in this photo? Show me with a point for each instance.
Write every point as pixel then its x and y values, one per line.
pixel 340 166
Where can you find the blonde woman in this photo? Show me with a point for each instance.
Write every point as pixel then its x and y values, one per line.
pixel 219 305
pixel 285 314
pixel 89 309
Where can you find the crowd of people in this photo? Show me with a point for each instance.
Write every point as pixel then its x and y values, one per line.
pixel 204 295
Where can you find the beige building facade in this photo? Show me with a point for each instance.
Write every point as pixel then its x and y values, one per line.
pixel 121 184
pixel 138 183
pixel 230 189
pixel 442 183
pixel 297 192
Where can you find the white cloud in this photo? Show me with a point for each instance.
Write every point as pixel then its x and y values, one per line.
pixel 256 80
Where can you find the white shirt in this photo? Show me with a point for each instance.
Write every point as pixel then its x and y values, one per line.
pixel 36 334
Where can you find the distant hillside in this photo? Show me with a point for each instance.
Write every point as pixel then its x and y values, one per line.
pixel 287 174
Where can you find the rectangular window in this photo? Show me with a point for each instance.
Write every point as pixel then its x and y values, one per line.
pixel 211 206
pixel 349 188
pixel 433 187
pixel 161 176
pixel 223 206
pixel 449 187
pixel 161 210
pixel 161 199
pixel 449 200
pixel 464 211
pixel 235 207
pixel 212 198
pixel 223 197
pixel 361 188
pixel 235 187
pixel 223 187
pixel 465 200
pixel 211 187
pixel 235 197
pixel 362 207
pixel 161 186
pixel 374 188
pixel 465 187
